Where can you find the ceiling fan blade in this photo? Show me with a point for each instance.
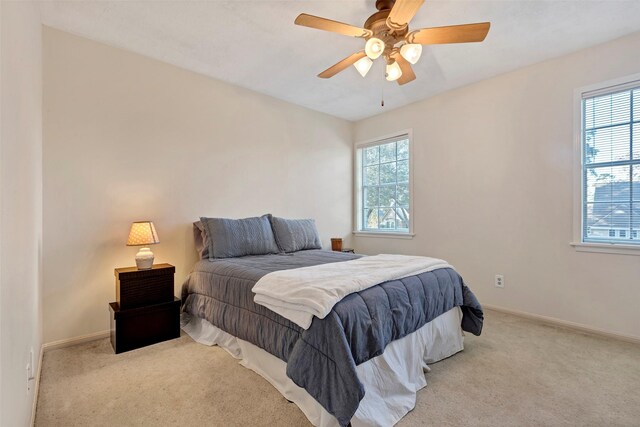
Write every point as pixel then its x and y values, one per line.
pixel 407 72
pixel 451 34
pixel 333 26
pixel 402 12
pixel 342 65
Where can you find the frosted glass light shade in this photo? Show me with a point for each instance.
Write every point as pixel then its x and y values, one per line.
pixel 363 65
pixel 411 52
pixel 393 72
pixel 374 47
pixel 142 233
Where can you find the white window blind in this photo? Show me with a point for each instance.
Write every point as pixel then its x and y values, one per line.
pixel 611 165
pixel 383 177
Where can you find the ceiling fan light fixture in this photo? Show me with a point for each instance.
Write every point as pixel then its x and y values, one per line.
pixel 374 47
pixel 393 72
pixel 363 65
pixel 411 52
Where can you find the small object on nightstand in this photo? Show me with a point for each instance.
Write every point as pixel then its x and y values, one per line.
pixel 336 244
pixel 348 250
pixel 143 233
pixel 145 311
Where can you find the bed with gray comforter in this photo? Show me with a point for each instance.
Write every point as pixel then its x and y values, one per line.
pixel 323 358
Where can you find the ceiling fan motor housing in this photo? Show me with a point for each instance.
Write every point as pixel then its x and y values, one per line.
pixel 377 23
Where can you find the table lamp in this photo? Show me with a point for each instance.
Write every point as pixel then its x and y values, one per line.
pixel 143 233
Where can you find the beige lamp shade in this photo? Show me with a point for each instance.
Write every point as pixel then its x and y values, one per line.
pixel 142 233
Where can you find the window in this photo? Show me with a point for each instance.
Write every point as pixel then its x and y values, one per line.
pixel 383 186
pixel 610 151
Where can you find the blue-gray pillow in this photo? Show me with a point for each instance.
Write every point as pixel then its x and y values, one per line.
pixel 295 234
pixel 230 238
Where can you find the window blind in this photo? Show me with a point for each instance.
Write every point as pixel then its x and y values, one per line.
pixel 611 165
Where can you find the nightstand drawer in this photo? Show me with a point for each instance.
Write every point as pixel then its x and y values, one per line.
pixel 138 288
pixel 138 327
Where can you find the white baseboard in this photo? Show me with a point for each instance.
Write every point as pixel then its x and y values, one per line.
pixel 52 346
pixel 76 340
pixel 36 386
pixel 565 323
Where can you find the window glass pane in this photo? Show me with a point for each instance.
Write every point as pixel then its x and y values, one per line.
pixel 371 175
pixel 387 173
pixel 388 196
pixel 607 110
pixel 388 152
pixel 402 218
pixel 403 171
pixel 371 218
pixel 636 105
pixel 370 197
pixel 371 155
pixel 636 183
pixel 387 218
pixel 635 217
pixel 403 149
pixel 606 220
pixel 636 135
pixel 607 145
pixel 403 195
pixel 608 184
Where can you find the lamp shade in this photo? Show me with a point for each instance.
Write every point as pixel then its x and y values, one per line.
pixel 374 47
pixel 411 52
pixel 394 72
pixel 363 65
pixel 142 233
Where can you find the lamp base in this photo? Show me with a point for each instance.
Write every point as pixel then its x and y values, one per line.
pixel 144 259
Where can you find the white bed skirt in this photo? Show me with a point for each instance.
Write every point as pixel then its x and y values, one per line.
pixel 391 380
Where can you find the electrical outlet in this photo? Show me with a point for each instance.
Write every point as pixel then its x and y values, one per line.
pixel 29 369
pixel 499 281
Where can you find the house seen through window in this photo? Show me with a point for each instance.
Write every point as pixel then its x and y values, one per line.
pixel 383 179
pixel 611 165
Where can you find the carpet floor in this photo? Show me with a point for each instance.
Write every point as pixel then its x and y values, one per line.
pixel 518 373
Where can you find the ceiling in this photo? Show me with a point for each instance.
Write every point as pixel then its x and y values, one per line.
pixel 255 44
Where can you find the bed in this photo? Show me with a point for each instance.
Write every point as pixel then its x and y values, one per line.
pixel 362 363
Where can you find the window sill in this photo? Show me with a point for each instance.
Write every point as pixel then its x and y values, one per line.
pixel 606 248
pixel 384 234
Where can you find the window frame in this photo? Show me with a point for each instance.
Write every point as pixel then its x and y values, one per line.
pixel 357 187
pixel 609 86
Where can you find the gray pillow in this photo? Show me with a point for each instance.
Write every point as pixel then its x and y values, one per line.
pixel 201 240
pixel 239 237
pixel 295 234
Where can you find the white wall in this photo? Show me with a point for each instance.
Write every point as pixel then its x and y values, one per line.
pixel 494 190
pixel 129 138
pixel 20 206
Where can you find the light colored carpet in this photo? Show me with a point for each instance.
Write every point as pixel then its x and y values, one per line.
pixel 518 373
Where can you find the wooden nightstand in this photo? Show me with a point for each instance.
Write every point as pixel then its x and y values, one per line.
pixel 145 311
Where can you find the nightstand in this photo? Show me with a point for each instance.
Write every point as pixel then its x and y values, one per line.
pixel 145 311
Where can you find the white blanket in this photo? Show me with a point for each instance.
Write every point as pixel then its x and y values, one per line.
pixel 302 293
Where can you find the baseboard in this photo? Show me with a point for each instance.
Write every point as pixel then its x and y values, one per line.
pixel 565 323
pixel 36 386
pixel 76 340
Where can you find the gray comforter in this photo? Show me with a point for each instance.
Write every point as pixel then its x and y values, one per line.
pixel 323 359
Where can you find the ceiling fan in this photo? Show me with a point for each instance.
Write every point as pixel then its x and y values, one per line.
pixel 387 34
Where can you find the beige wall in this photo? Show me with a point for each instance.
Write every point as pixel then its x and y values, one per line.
pixel 20 206
pixel 130 138
pixel 493 185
